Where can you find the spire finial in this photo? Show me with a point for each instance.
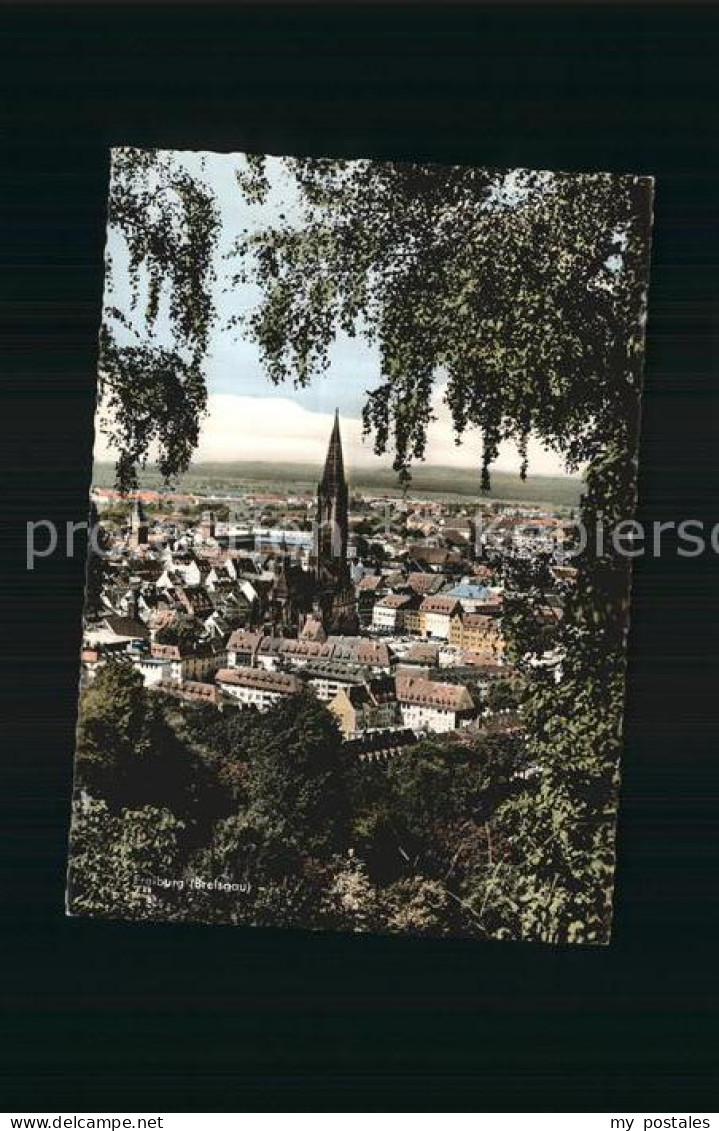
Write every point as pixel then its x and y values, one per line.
pixel 334 472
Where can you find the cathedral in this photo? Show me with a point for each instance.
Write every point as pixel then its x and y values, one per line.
pixel 334 596
pixel 321 598
pixel 139 529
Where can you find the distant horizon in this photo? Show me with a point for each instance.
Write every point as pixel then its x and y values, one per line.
pixel 366 469
pixel 276 429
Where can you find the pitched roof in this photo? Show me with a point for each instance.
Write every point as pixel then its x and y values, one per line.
pixel 427 693
pixel 423 652
pixel 369 582
pixel 260 680
pixel 424 583
pixel 372 692
pixel 434 555
pixel 480 620
pixel 313 629
pixel 243 641
pixel 289 647
pixel 471 591
pixel 161 618
pixel 475 659
pixel 126 626
pixel 193 690
pixel 166 652
pixel 372 652
pixel 438 604
pixel 393 601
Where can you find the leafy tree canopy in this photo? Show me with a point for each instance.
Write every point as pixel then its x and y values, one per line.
pixel 522 292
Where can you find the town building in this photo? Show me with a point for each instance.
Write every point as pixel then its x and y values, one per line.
pixel 432 706
pixel 370 705
pixel 251 687
pixel 388 614
pixel 475 598
pixel 207 526
pixel 368 590
pixel 477 632
pixel 436 614
pixel 198 662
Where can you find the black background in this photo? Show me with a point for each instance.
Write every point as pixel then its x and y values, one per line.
pixel 124 1017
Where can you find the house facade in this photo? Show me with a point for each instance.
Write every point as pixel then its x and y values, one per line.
pixel 430 706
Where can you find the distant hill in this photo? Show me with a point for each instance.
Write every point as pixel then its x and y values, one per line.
pixel 449 482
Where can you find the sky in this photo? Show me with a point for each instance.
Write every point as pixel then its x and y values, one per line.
pixel 251 419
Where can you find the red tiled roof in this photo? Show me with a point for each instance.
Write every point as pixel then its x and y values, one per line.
pixel 422 652
pixel 372 652
pixel 423 582
pixel 242 640
pixel 480 620
pixel 165 651
pixel 439 604
pixel 427 693
pixel 393 601
pixel 370 582
pixel 260 679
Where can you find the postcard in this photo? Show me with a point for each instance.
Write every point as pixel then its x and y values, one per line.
pixel 360 549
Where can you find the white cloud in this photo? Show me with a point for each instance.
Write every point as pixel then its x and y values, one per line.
pixel 278 429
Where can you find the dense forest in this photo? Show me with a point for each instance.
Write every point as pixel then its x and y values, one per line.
pixel 175 799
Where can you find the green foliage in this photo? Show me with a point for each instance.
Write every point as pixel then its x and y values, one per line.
pixel 150 395
pixel 279 810
pixel 503 696
pixel 418 906
pixel 98 545
pixel 184 631
pixel 528 292
pixel 298 776
pixel 427 812
pixel 111 732
pixel 112 858
pixel 131 755
pixel 447 269
pixel 525 293
pixel 350 901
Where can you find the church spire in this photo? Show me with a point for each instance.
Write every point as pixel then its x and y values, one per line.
pixel 334 473
pixel 333 587
pixel 138 524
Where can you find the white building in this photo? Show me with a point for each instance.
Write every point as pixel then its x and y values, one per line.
pixel 253 687
pixel 199 665
pixel 326 680
pixel 388 612
pixel 153 670
pixel 438 707
pixel 436 614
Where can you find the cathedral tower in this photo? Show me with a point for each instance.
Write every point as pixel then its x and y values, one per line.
pixel 334 591
pixel 139 530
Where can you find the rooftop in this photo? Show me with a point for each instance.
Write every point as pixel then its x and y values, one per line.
pixel 260 680
pixel 438 604
pixel 427 693
pixel 467 590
